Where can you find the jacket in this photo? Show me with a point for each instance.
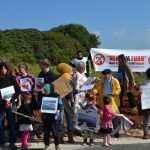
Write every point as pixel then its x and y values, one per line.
pixel 115 88
pixel 7 81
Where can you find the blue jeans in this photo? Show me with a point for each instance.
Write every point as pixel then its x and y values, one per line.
pixel 145 123
pixel 115 122
pixel 11 125
pixel 69 119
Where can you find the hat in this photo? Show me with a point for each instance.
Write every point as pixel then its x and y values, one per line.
pixel 49 88
pixel 106 71
pixel 64 68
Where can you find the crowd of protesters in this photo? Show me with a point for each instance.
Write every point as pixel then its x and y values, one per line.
pixel 105 97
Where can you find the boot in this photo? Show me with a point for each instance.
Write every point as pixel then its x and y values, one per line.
pixel 109 140
pixel 57 147
pixel 91 142
pixel 70 138
pixel 84 142
pixel 105 141
pixel 62 138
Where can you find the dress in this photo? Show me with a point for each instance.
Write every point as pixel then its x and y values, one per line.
pixel 106 124
pixel 25 123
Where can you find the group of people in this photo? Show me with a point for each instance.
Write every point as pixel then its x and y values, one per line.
pixel 105 97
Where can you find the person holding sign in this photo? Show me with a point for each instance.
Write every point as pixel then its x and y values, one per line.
pixel 146 112
pixel 7 103
pixel 89 106
pixel 26 80
pixel 50 117
pixel 106 124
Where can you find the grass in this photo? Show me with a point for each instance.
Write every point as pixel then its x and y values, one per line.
pixel 34 69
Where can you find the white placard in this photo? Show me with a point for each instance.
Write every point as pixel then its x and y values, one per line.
pixel 49 105
pixel 87 120
pixel 39 83
pixel 87 87
pixel 25 85
pixel 145 97
pixel 7 92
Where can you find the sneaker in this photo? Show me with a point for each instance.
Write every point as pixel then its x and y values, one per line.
pixel 13 146
pixel 145 136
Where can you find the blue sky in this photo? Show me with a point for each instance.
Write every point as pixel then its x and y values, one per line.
pixel 121 24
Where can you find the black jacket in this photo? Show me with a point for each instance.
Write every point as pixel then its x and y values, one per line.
pixel 26 110
pixel 49 77
pixel 7 81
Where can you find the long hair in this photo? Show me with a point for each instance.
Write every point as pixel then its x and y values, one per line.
pixel 123 58
pixel 148 73
pixel 4 64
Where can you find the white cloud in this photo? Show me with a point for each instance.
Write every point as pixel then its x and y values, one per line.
pixel 120 33
pixel 97 33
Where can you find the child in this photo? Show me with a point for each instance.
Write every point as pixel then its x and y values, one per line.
pixel 89 106
pixel 51 121
pixel 25 123
pixel 106 124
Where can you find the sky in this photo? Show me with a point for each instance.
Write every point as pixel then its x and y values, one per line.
pixel 121 24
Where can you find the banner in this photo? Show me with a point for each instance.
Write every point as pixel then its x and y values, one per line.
pixel 139 60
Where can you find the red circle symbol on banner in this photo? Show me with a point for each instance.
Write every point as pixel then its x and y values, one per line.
pixel 99 59
pixel 149 60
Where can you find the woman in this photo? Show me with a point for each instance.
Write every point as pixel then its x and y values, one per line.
pixel 6 106
pixel 24 74
pixel 128 81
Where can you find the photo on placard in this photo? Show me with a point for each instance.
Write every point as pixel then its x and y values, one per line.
pixel 39 83
pixel 88 121
pixel 49 105
pixel 25 85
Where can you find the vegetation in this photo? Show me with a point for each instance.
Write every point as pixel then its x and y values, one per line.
pixel 58 44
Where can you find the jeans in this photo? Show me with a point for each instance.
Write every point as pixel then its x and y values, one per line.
pixel 115 122
pixel 131 99
pixel 11 125
pixel 145 124
pixel 69 119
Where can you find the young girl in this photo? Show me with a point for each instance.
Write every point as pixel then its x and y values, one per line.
pixel 89 106
pixel 25 123
pixel 106 124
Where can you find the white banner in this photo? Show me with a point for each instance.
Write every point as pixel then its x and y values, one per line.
pixel 139 60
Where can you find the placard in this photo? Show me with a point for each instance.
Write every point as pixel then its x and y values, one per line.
pixel 62 86
pixel 49 105
pixel 25 85
pixel 87 120
pixel 39 83
pixel 7 92
pixel 145 97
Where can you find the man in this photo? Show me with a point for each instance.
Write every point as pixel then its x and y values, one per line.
pixel 109 86
pixel 78 58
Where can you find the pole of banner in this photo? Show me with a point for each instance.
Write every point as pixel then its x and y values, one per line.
pixel 32 119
